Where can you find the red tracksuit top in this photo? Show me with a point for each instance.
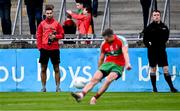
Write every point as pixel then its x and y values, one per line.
pixel 45 28
pixel 83 22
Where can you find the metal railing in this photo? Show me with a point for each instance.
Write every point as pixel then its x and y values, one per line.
pixel 62 13
pixel 62 10
pixel 76 38
pixel 166 14
pixel 107 13
pixel 166 11
pixel 18 16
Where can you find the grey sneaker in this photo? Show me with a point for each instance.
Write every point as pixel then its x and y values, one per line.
pixel 43 90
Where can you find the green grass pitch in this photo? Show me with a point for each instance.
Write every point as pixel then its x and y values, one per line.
pixel 109 101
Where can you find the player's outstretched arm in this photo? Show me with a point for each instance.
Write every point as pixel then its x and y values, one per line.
pixel 101 59
pixel 126 56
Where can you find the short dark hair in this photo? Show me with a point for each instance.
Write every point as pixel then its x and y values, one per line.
pixel 80 2
pixel 108 32
pixel 69 16
pixel 156 11
pixel 88 9
pixel 49 7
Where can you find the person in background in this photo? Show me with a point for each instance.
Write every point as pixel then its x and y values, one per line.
pixel 145 9
pixel 84 20
pixel 84 3
pixel 69 27
pixel 88 3
pixel 34 11
pixel 48 34
pixel 80 4
pixel 95 8
pixel 155 37
pixel 5 14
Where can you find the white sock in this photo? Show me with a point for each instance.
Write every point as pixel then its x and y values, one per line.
pixel 57 86
pixel 43 86
pixel 81 95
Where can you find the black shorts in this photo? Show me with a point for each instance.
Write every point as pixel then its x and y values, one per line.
pixel 157 57
pixel 105 74
pixel 53 55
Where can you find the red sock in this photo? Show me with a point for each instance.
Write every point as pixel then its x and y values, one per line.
pixel 84 93
pixel 97 95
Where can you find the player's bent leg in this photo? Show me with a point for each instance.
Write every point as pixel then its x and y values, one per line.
pixel 168 79
pixel 96 78
pixel 57 76
pixel 111 77
pixel 153 78
pixel 43 77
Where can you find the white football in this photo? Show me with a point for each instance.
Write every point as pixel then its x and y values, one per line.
pixel 80 82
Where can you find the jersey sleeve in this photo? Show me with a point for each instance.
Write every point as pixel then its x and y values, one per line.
pixel 102 47
pixel 123 40
pixel 60 32
pixel 39 35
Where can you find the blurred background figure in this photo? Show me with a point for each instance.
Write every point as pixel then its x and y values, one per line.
pixel 85 3
pixel 145 8
pixel 5 12
pixel 84 20
pixel 95 8
pixel 34 11
pixel 69 27
pixel 80 4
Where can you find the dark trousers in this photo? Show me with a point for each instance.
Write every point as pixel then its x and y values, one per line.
pixel 35 17
pixel 145 8
pixel 95 7
pixel 5 11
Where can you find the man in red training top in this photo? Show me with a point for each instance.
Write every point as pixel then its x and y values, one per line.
pixel 48 34
pixel 113 58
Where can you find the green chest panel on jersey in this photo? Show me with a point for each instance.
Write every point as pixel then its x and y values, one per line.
pixel 114 53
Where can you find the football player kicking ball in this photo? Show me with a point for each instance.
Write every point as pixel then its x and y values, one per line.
pixel 113 58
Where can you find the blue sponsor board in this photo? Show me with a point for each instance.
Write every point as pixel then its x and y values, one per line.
pixel 20 70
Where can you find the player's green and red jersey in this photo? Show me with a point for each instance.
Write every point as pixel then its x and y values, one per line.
pixel 113 51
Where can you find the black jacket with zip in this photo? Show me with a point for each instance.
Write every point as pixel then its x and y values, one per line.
pixel 5 1
pixel 156 35
pixel 34 2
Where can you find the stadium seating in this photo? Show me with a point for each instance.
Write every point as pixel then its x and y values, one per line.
pixel 126 14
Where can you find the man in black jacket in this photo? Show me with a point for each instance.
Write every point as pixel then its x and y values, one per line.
pixel 155 37
pixel 5 12
pixel 34 10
